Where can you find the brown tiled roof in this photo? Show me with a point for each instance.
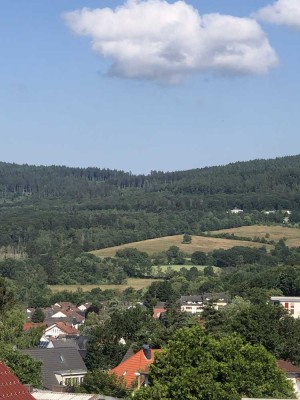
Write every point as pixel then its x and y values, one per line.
pixel 11 387
pixel 67 328
pixel 288 367
pixel 29 325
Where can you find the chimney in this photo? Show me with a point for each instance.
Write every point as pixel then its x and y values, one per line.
pixel 59 388
pixel 147 351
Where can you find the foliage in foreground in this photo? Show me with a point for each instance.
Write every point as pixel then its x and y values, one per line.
pixel 197 366
pixel 104 383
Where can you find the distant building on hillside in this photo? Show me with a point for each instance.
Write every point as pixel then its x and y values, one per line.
pixel 290 304
pixel 195 304
pixel 236 211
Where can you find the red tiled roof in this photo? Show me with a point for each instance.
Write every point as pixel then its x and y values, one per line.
pixel 29 325
pixel 288 367
pixel 67 328
pixel 136 363
pixel 157 311
pixel 11 387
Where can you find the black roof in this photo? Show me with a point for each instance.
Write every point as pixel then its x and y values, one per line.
pixel 55 360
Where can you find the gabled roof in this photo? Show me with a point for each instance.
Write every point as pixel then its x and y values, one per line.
pixel 67 329
pixel 10 387
pixel 56 360
pixel 288 367
pixel 136 363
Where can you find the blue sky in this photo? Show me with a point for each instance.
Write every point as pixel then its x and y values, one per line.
pixel 63 103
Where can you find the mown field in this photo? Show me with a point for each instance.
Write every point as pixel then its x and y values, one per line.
pixel 136 283
pixel 202 243
pixel 177 268
pixel 276 232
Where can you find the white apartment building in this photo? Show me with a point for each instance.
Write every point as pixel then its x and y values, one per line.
pixel 291 304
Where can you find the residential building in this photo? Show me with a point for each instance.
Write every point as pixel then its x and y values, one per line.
pixel 292 373
pixel 60 329
pixel 289 303
pixel 135 369
pixel 159 309
pixel 195 304
pixel 60 367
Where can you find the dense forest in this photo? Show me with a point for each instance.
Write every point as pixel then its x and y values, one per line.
pixel 51 215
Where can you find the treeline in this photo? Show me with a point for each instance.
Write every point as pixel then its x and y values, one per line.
pixel 281 174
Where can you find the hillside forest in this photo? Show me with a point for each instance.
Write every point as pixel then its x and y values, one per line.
pixel 55 221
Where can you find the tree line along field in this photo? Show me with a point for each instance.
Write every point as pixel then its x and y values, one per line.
pixel 271 232
pixel 199 243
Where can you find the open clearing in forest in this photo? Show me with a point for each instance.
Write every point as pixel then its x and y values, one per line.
pixel 273 232
pixel 136 283
pixel 177 268
pixel 157 245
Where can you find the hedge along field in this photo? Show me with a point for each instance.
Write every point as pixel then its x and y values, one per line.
pixel 272 232
pixel 199 243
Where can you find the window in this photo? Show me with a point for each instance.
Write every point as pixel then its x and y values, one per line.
pixel 292 311
pixel 286 305
pixel 292 305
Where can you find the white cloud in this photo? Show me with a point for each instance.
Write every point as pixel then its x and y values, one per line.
pixel 283 12
pixel 165 42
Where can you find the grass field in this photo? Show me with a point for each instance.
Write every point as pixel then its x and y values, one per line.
pixel 135 283
pixel 157 245
pixel 177 268
pixel 275 233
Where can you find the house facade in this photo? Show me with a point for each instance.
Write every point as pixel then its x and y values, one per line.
pixel 290 304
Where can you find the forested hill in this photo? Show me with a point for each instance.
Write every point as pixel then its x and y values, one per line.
pixel 279 175
pixel 50 215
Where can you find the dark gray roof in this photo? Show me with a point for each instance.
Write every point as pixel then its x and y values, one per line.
pixel 54 360
pixel 66 342
pixel 204 298
pixel 129 353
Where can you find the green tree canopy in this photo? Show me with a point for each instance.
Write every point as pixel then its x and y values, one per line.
pixel 38 315
pixel 196 365
pixel 104 383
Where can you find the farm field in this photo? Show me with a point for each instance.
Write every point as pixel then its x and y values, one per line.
pixel 136 283
pixel 201 243
pixel 275 233
pixel 177 268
